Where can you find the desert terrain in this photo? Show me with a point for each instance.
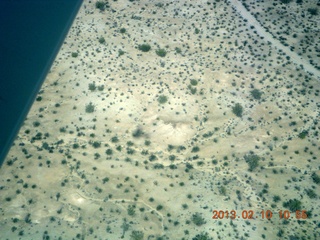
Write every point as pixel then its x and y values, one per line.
pixel 156 114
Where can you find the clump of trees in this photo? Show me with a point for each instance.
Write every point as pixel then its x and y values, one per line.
pixel 313 11
pixel 252 160
pixel 136 235
pixel 237 109
pixel 197 219
pixel 293 205
pixel 202 236
pixel 316 178
pixel 285 1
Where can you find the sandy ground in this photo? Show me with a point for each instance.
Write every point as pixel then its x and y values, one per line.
pixel 138 168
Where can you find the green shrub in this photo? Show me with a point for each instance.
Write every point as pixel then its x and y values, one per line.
pixel 100 5
pixel 192 89
pixel 178 50
pixel 120 52
pixel 195 149
pixel 137 133
pixel 92 86
pixel 115 139
pixel 74 54
pixel 193 82
pixel 237 109
pixel 90 108
pixel 303 134
pixel 109 151
pixel 102 40
pixel 144 47
pixel 161 52
pixel 122 30
pixel 96 144
pixel 256 94
pixel 162 99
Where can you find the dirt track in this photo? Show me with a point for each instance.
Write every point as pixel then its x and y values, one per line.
pixel 295 58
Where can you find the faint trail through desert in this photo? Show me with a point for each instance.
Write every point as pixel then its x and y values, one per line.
pixel 294 57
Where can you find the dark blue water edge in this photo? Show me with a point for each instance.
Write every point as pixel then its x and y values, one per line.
pixel 32 32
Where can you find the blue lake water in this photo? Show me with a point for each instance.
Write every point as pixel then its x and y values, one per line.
pixel 31 33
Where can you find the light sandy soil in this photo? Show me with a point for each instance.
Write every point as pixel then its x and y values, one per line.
pixel 136 168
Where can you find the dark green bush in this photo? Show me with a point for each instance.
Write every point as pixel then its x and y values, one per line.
pixel 90 108
pixel 161 52
pixel 74 54
pixel 194 82
pixel 162 99
pixel 92 86
pixel 102 40
pixel 178 50
pixel 237 109
pixel 100 5
pixel 144 47
pixel 303 134
pixel 256 94
pixel 137 133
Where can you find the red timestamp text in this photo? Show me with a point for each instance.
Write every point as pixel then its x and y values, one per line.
pixel 264 214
